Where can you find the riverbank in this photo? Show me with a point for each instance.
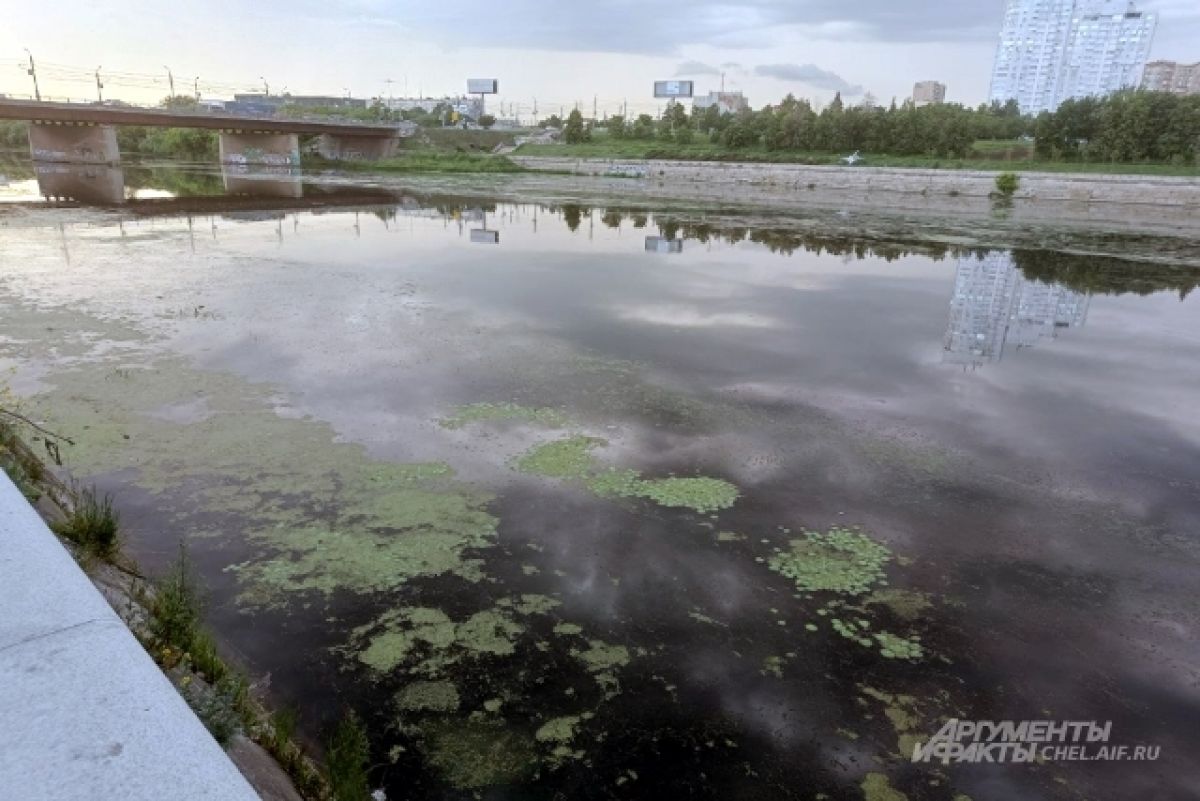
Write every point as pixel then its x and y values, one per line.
pixel 172 732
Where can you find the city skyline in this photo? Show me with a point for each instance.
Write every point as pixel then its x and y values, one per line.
pixel 605 55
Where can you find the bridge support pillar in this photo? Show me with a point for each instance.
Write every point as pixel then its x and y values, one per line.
pixel 344 147
pixel 274 149
pixel 74 143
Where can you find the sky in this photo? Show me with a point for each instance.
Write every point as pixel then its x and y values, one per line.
pixel 606 52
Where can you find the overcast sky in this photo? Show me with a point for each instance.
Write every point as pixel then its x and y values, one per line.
pixel 556 52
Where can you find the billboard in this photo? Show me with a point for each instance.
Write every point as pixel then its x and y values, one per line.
pixel 673 88
pixel 482 86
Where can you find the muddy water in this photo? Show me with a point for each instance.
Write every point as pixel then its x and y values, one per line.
pixel 574 502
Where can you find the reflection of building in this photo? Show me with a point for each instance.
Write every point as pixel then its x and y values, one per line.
pixel 726 102
pixel 995 308
pixel 1051 50
pixel 927 93
pixel 1171 76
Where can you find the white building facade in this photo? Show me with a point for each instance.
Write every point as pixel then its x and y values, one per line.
pixel 1052 50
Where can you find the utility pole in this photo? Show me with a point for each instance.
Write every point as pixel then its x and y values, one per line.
pixel 196 87
pixel 535 119
pixel 170 79
pixel 389 83
pixel 37 93
pixel 266 86
pixel 722 83
pixel 594 115
pixel 99 87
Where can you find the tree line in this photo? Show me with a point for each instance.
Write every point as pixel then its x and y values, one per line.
pixel 1128 126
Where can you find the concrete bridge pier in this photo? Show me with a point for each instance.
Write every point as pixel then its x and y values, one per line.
pixel 256 147
pixel 74 143
pixel 349 147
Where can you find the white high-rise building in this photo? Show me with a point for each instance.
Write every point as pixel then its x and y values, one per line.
pixel 1051 50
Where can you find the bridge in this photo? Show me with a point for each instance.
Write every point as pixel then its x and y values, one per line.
pixel 79 133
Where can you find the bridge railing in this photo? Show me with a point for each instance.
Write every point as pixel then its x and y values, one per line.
pixel 197 110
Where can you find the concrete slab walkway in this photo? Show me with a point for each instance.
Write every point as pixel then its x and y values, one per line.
pixel 85 713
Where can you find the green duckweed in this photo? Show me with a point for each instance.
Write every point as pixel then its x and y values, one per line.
pixel 471 754
pixel 842 561
pixel 428 696
pixel 492 412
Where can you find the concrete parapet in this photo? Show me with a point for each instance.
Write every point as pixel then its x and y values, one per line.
pixel 84 711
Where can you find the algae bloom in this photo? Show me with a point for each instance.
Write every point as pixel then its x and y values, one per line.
pixel 571 458
pixel 842 560
pixel 492 412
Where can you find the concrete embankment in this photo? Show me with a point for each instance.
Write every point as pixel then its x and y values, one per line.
pixel 84 711
pixel 1133 201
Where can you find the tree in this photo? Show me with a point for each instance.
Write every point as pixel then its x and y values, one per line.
pixel 574 131
pixel 553 121
pixel 616 126
pixel 642 128
pixel 486 121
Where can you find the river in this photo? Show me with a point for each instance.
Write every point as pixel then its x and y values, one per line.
pixel 594 500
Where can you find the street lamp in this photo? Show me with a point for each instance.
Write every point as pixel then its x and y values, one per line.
pixel 266 86
pixel 170 80
pixel 196 88
pixel 99 86
pixel 32 71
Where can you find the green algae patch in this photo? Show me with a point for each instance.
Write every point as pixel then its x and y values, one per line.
pixel 572 458
pixel 564 458
pixel 494 412
pixel 405 630
pixel 400 636
pixel 730 536
pixel 471 754
pixel 567 629
pixel 894 646
pixel 701 494
pixel 773 665
pixel 530 604
pixel 876 787
pixel 908 605
pixel 603 660
pixel 428 696
pixel 841 560
pixel 559 730
pixel 901 712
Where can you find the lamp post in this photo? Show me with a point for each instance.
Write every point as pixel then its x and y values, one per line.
pixel 266 86
pixel 196 87
pixel 99 86
pixel 170 80
pixel 37 93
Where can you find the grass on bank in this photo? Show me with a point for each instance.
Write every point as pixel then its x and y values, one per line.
pixel 422 161
pixel 92 523
pixel 995 155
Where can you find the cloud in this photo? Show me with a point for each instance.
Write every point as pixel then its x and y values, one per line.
pixel 696 68
pixel 809 74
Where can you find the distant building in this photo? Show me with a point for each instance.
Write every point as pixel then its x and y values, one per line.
pixel 1052 50
pixel 995 309
pixel 467 106
pixel 726 102
pixel 927 93
pixel 1171 76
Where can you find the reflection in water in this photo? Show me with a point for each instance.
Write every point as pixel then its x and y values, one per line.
pixel 281 181
pixel 660 244
pixel 995 307
pixel 99 185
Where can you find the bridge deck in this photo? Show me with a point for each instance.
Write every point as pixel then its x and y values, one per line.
pixel 75 113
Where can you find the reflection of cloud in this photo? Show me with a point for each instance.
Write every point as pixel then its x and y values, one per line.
pixel 810 74
pixel 692 317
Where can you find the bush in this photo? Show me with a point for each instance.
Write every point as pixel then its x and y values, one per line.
pixel 348 755
pixel 1007 183
pixel 92 523
pixel 175 613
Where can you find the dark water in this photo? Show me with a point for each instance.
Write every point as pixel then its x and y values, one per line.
pixel 1017 428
